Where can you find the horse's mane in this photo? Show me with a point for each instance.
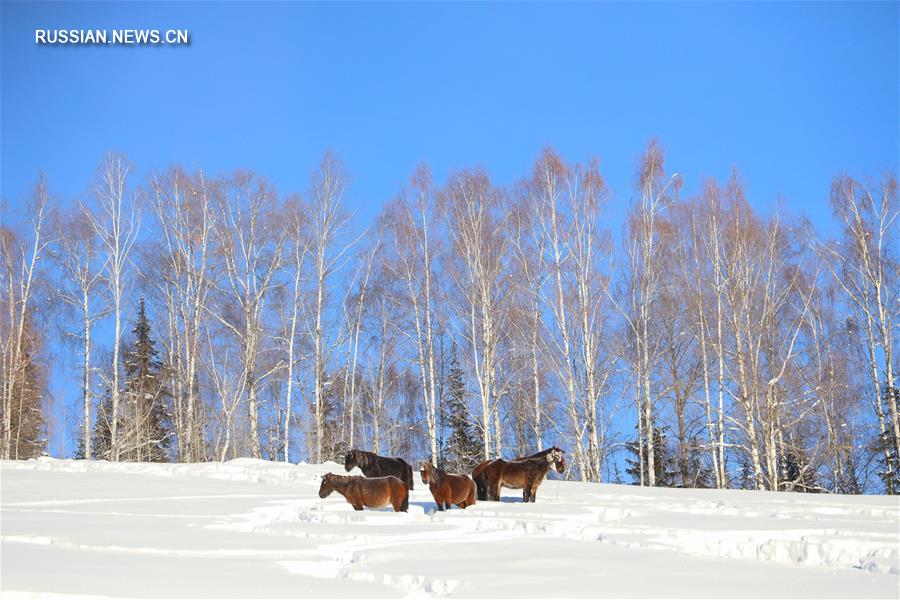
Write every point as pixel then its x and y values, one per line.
pixel 335 478
pixel 540 458
pixel 362 457
pixel 543 452
pixel 437 474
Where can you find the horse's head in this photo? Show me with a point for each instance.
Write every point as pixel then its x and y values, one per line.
pixel 327 485
pixel 425 469
pixel 350 460
pixel 556 460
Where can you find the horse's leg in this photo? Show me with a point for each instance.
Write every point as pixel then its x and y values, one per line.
pixel 480 479
pixel 527 490
pixel 448 495
pixel 466 500
pixel 435 496
pixel 495 489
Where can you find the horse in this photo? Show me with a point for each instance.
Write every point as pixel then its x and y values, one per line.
pixel 447 488
pixel 373 465
pixel 374 492
pixel 479 469
pixel 525 474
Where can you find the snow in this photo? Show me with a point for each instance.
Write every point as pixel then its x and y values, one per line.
pixel 251 528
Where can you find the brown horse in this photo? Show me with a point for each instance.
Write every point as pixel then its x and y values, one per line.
pixel 373 465
pixel 374 492
pixel 446 488
pixel 477 472
pixel 525 474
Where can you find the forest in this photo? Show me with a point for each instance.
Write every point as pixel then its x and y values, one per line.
pixel 705 344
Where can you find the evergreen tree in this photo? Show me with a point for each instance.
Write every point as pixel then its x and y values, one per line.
pixel 100 440
pixel 464 447
pixel 200 449
pixel 664 464
pixel 332 443
pixel 28 437
pixel 795 474
pixel 888 467
pixel 146 436
pixel 746 479
pixel 699 473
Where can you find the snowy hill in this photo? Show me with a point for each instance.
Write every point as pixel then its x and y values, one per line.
pixel 257 529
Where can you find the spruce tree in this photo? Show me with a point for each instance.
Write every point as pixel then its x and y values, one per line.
pixel 884 443
pixel 795 474
pixel 332 444
pixel 664 463
pixel 28 437
pixel 463 446
pixel 100 440
pixel 147 429
pixel 699 474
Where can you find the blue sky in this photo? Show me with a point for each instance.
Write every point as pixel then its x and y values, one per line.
pixel 789 93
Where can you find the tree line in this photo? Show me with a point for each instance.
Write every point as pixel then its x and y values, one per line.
pixel 706 344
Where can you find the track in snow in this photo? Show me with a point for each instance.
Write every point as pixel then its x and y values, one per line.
pixel 257 529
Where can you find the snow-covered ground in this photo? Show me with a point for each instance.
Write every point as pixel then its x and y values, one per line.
pixel 257 529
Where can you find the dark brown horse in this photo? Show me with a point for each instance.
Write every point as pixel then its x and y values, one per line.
pixel 374 492
pixel 448 489
pixel 525 474
pixel 479 469
pixel 373 465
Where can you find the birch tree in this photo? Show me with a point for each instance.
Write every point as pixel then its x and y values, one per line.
pixel 329 222
pixel 530 275
pixel 865 266
pixel 548 187
pixel 250 239
pixel 117 222
pixel 299 245
pixel 764 327
pixel 354 310
pixel 477 227
pixel 21 263
pixel 589 246
pixel 642 246
pixel 186 214
pixel 411 219
pixel 78 256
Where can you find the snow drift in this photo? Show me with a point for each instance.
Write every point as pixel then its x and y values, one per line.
pixel 251 528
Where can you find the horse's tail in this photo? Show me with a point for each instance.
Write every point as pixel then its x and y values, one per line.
pixel 409 476
pixel 405 505
pixel 478 477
